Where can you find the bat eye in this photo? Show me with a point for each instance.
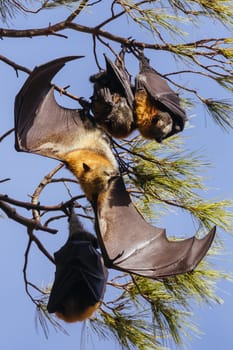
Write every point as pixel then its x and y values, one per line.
pixel 155 119
pixel 86 167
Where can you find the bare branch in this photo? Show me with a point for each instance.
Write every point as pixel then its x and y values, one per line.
pixel 30 223
pixel 30 206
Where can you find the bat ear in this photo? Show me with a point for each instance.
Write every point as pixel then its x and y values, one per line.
pixel 86 167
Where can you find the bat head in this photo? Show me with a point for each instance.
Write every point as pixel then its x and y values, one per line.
pixel 96 176
pixel 161 126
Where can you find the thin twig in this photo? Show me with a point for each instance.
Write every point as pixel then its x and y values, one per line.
pixel 47 178
pixel 6 134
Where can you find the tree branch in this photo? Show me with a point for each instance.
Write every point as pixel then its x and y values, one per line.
pixel 30 206
pixel 30 223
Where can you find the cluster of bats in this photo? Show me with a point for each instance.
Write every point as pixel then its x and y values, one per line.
pixel 79 138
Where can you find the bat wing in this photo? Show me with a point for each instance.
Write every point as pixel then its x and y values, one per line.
pixel 130 244
pixel 41 125
pixel 79 270
pixel 120 79
pixel 112 100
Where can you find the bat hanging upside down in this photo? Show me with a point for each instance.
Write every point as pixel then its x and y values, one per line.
pixel 157 107
pixel 127 242
pixel 112 100
pixel 80 277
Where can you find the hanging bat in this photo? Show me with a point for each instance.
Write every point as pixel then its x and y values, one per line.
pixel 80 277
pixel 70 135
pixel 157 107
pixel 128 243
pixel 112 100
pixel 45 128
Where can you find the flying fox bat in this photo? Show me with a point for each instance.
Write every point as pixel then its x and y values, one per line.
pixel 157 107
pixel 112 100
pixel 128 243
pixel 70 135
pixel 80 276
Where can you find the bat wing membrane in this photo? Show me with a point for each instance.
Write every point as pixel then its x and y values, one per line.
pixel 41 125
pixel 120 76
pixel 130 244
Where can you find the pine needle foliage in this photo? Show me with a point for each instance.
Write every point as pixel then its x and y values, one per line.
pixel 55 3
pixel 168 176
pixel 8 9
pixel 221 111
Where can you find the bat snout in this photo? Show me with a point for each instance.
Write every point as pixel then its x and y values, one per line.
pixel 112 174
pixel 162 126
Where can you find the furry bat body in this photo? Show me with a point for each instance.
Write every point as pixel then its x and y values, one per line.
pixel 80 277
pixel 70 135
pixel 112 100
pixel 157 107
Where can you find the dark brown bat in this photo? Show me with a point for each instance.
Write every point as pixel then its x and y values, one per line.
pixel 157 107
pixel 70 135
pixel 128 243
pixel 80 277
pixel 112 100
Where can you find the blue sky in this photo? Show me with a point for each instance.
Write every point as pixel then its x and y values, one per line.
pixel 17 327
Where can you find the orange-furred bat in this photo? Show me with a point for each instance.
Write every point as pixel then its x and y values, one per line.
pixel 128 243
pixel 70 135
pixel 112 100
pixel 80 277
pixel 157 107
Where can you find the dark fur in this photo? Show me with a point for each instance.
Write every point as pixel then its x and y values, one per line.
pixel 80 276
pixel 112 100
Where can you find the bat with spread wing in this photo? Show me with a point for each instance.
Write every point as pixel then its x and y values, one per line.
pixel 128 243
pixel 112 100
pixel 80 276
pixel 44 127
pixel 157 107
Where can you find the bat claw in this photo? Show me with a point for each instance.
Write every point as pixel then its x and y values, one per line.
pixel 84 103
pixel 135 50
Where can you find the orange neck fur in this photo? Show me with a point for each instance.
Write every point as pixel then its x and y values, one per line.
pixel 145 112
pixel 95 179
